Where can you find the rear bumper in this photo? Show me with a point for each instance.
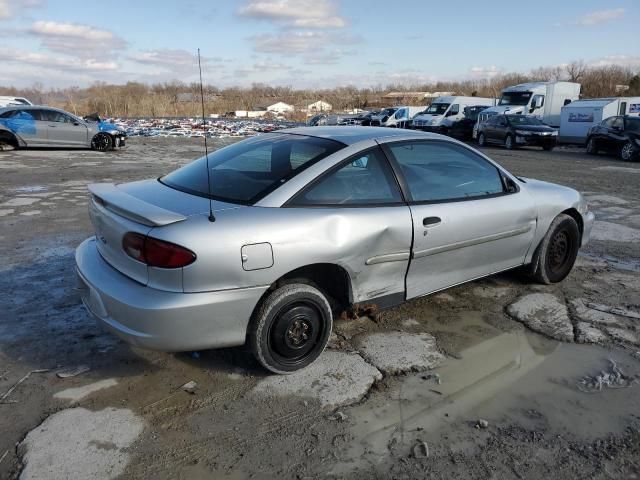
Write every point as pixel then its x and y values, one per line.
pixel 160 320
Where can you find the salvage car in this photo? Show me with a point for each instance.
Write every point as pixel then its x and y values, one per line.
pixel 619 135
pixel 514 131
pixel 38 126
pixel 265 241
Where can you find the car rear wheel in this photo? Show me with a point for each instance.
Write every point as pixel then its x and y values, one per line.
pixel 508 142
pixel 291 328
pixel 548 148
pixel 592 147
pixel 8 141
pixel 556 254
pixel 481 140
pixel 101 142
pixel 628 152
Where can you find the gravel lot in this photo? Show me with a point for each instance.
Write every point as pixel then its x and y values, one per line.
pixel 485 397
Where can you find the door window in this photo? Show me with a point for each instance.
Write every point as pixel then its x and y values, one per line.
pixel 608 122
pixel 53 116
pixel 365 179
pixel 439 171
pixel 617 123
pixel 454 110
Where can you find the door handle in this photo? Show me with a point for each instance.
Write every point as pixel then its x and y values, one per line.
pixel 430 221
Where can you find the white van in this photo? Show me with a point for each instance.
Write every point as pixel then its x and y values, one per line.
pixel 444 111
pixel 13 101
pixel 396 116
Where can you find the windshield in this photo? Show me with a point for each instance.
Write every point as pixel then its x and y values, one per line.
pixel 632 125
pixel 246 171
pixel 387 112
pixel 437 108
pixel 515 98
pixel 523 120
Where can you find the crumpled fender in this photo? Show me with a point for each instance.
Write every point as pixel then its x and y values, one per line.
pixel 109 128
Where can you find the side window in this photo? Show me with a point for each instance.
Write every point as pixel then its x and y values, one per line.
pixel 365 179
pixel 400 113
pixel 53 116
pixel 455 109
pixel 437 171
pixel 567 101
pixel 501 121
pixel 618 123
pixel 7 114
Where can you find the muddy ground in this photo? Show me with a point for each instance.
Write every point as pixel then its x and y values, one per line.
pixel 486 396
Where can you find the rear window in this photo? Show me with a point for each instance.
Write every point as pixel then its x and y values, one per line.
pixel 246 171
pixel 633 125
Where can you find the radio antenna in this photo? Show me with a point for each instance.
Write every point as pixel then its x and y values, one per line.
pixel 206 149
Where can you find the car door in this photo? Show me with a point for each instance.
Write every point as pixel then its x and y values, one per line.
pixel 616 135
pixel 64 130
pixel 363 224
pixel 490 129
pixel 470 219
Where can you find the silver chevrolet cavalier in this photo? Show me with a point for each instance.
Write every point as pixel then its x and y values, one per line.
pixel 266 240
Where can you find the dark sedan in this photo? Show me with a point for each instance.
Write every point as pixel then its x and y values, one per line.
pixel 617 135
pixel 514 131
pixel 463 129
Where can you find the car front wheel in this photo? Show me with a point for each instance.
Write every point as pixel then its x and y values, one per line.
pixel 556 254
pixel 101 142
pixel 628 152
pixel 291 328
pixel 481 140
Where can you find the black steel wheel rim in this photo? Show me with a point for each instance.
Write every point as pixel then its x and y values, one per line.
pixel 296 331
pixel 560 249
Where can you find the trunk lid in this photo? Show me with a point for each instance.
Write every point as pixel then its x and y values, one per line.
pixel 139 207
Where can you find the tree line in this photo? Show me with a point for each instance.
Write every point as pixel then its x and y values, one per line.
pixel 177 98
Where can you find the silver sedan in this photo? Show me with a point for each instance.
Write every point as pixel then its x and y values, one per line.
pixel 266 240
pixel 39 126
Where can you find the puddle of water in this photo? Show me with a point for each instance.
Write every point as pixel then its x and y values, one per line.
pixel 500 379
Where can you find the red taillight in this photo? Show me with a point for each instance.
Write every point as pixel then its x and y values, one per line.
pixel 156 253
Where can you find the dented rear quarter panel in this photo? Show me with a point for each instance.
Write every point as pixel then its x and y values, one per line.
pixel 347 237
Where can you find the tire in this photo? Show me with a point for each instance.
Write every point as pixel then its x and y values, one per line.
pixel 8 142
pixel 291 328
pixel 102 142
pixel 481 140
pixel 592 146
pixel 628 152
pixel 556 254
pixel 508 142
pixel 548 148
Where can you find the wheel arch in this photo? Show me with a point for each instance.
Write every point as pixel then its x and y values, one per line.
pixel 573 213
pixel 331 279
pixel 11 138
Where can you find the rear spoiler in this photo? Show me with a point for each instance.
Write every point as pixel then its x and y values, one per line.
pixel 120 202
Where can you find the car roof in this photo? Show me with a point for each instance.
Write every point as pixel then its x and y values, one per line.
pixel 350 135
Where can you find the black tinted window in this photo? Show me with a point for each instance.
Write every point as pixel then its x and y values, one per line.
pixel 7 114
pixel 365 179
pixel 437 171
pixel 247 170
pixel 54 116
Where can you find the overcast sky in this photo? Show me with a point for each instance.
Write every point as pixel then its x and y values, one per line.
pixel 306 43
